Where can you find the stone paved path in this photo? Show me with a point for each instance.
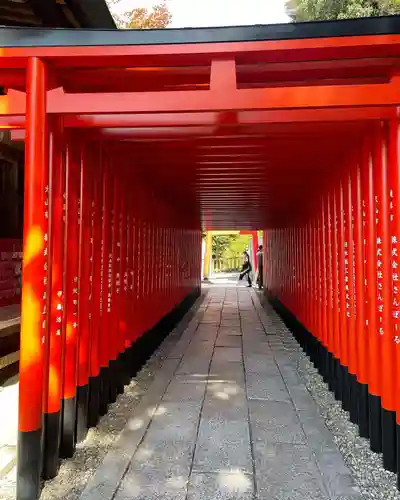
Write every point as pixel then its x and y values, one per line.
pixel 227 417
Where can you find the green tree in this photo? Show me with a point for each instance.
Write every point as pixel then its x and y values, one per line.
pixel 141 18
pixel 220 244
pixel 318 10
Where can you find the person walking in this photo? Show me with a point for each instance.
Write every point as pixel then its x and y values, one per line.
pixel 260 267
pixel 246 269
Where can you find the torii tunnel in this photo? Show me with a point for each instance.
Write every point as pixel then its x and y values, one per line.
pixel 136 142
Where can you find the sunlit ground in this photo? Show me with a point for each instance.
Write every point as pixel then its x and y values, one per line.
pixel 224 280
pixel 9 425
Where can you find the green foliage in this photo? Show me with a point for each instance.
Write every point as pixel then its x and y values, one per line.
pixel 238 246
pixel 229 246
pixel 318 10
pixel 220 243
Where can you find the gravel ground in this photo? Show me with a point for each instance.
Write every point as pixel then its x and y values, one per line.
pixel 374 481
pixel 75 473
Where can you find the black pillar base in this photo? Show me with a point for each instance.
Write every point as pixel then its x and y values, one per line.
pixel 332 373
pixel 124 356
pixel 354 395
pixel 133 361
pixel 104 390
pixel 29 465
pixel 398 454
pixel 339 381
pixel 329 370
pixel 363 411
pixel 325 364
pixel 94 401
pixel 120 374
pixel 345 389
pixel 375 423
pixel 113 379
pixel 68 436
pixel 51 446
pixel 82 407
pixel 389 440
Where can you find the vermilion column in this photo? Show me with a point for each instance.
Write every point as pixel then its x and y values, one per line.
pixel 34 286
pixel 112 271
pixel 106 292
pixel 135 275
pixel 394 183
pixel 85 257
pixel 96 292
pixel 324 294
pixel 123 288
pixel 344 294
pixel 52 402
pixel 68 437
pixel 374 344
pixel 140 271
pixel 116 281
pixel 384 301
pixel 360 272
pixel 130 298
pixel 164 267
pixel 336 294
pixel 351 300
pixel 311 278
pixel 133 316
pixel 329 290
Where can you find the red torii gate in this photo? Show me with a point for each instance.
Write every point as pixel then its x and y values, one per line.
pixel 134 140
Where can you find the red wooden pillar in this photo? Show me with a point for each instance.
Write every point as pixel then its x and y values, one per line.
pixel 384 301
pixel 85 257
pixel 306 275
pixel 394 185
pixel 122 284
pixel 114 277
pixel 324 294
pixel 158 265
pixel 68 437
pixel 344 295
pixel 34 286
pixel 307 288
pixel 360 273
pixel 331 289
pixel 336 287
pixel 106 288
pixel 165 266
pixel 141 313
pixel 300 270
pixel 134 282
pixel 96 174
pixel 310 266
pixel 351 299
pixel 374 352
pixel 53 387
pixel 318 284
pixel 130 298
pixel 152 319
pixel 136 271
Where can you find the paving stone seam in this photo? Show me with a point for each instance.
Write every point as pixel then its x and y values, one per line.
pixel 191 469
pixel 253 461
pixel 101 484
pixel 258 306
pixel 191 334
pixel 277 322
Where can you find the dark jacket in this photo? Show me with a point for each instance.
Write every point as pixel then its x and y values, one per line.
pixel 246 266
